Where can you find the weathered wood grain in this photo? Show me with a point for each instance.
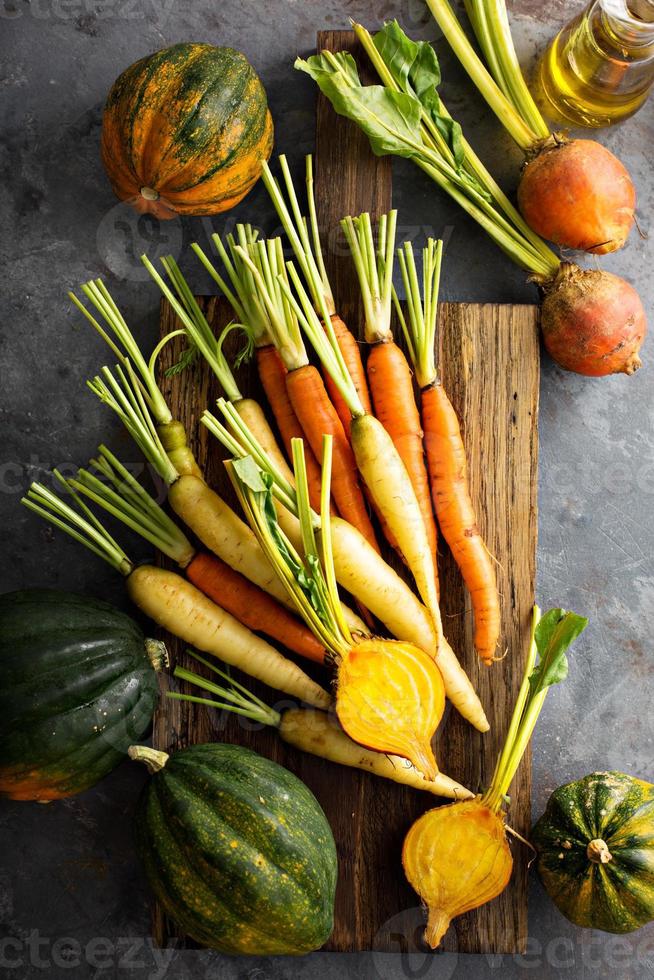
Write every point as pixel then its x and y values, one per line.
pixel 489 362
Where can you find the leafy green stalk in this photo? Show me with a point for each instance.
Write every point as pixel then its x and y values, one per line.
pixel 240 442
pixel 240 289
pixel 265 262
pixel 303 235
pixel 323 340
pixel 80 524
pixel 125 499
pixel 124 346
pixel 236 698
pixel 393 121
pixel 124 396
pixel 490 23
pixel 547 664
pixel 505 111
pixel 196 325
pixel 309 585
pixel 412 67
pixel 374 270
pixel 422 308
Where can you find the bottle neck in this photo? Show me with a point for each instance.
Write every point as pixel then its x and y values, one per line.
pixel 629 22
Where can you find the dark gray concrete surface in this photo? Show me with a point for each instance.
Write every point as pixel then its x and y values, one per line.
pixel 68 874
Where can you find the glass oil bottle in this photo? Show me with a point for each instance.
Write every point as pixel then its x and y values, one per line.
pixel 599 68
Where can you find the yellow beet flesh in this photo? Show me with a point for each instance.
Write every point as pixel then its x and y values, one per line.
pixel 390 697
pixel 457 858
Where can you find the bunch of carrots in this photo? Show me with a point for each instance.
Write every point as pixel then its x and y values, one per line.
pixel 361 452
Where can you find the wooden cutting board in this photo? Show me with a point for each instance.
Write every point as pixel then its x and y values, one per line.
pixel 489 360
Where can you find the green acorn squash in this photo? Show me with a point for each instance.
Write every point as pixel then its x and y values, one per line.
pixel 77 686
pixel 595 845
pixel 237 850
pixel 185 131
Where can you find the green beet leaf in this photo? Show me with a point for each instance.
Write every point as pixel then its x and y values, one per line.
pixel 555 632
pixel 414 66
pixel 390 120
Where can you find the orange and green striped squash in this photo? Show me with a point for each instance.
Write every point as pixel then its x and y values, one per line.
pixel 185 131
pixel 595 845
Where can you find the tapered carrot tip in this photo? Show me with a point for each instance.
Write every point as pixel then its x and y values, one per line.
pixel 488 657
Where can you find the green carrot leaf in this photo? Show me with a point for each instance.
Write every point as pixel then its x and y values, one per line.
pixel 247 350
pixel 555 632
pixel 390 120
pixel 414 66
pixel 188 357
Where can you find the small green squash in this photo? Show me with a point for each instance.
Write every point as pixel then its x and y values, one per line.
pixel 237 850
pixel 595 846
pixel 77 686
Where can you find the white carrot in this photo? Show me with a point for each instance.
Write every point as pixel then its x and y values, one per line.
pixel 223 532
pixel 318 733
pixel 392 491
pixel 378 460
pixel 133 393
pixel 201 335
pixel 179 607
pixel 176 604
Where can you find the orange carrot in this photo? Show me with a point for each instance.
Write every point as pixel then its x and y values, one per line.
pixel 252 606
pixel 351 351
pixel 318 417
pixel 446 460
pixel 272 375
pixel 391 385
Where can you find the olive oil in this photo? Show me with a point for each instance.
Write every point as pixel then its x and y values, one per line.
pixel 599 69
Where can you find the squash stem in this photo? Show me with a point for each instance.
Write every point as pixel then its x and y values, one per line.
pixel 152 758
pixel 157 653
